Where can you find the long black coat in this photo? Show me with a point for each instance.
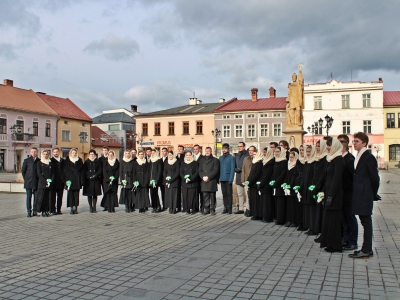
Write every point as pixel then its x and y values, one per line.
pixel 44 172
pixel 209 166
pixel 58 182
pixel 191 169
pixel 74 172
pixel 348 173
pixel 300 171
pixel 141 174
pixel 156 171
pixel 333 183
pixel 319 175
pixel 266 176
pixel 279 175
pixel 292 177
pixel 365 185
pixel 109 171
pixel 306 182
pixel 173 171
pixel 29 173
pixel 255 173
pixel 93 172
pixel 126 173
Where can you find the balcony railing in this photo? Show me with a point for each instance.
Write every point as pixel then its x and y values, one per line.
pixel 23 137
pixel 3 137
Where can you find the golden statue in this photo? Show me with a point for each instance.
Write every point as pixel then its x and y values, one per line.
pixel 295 100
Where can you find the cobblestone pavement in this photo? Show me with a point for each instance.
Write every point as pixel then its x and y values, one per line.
pixel 162 256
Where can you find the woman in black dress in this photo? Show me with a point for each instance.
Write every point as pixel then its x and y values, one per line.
pixel 331 229
pixel 156 170
pixel 110 182
pixel 190 182
pixel 93 174
pixel 45 172
pixel 291 199
pixel 278 178
pixel 307 199
pixel 300 169
pixel 266 198
pixel 126 177
pixel 254 177
pixel 141 179
pixel 74 177
pixel 172 182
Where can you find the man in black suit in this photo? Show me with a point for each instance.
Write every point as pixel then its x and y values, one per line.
pixel 197 156
pixel 29 173
pixel 209 173
pixel 58 184
pixel 365 191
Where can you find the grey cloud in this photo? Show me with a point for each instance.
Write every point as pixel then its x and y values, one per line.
pixel 7 51
pixel 114 48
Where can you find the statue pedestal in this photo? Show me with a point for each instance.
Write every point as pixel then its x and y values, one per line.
pixel 294 135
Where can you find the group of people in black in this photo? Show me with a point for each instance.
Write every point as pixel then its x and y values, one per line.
pixel 317 189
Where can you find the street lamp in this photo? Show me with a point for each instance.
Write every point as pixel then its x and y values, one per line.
pixel 216 133
pixel 83 139
pixel 319 125
pixel 313 130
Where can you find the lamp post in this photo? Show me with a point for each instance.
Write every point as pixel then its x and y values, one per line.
pixel 313 130
pixel 319 125
pixel 216 133
pixel 83 139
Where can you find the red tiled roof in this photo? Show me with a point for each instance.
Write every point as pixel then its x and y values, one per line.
pixel 64 107
pixel 23 100
pixel 247 104
pixel 97 133
pixel 391 98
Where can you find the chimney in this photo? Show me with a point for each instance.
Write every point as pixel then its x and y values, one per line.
pixel 133 108
pixel 254 94
pixel 199 102
pixel 192 101
pixel 380 80
pixel 221 100
pixel 8 82
pixel 272 92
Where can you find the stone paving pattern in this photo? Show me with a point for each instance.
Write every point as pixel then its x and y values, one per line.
pixel 163 256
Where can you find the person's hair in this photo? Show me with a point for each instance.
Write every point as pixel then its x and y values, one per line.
pixel 294 149
pixel 164 148
pixel 294 152
pixel 274 143
pixel 148 148
pixel 244 144
pixel 140 151
pixel 92 151
pixel 196 145
pixel 327 138
pixel 188 152
pixel 317 142
pixel 279 147
pixel 111 151
pixel 209 148
pixel 254 148
pixel 127 151
pixel 34 148
pixel 180 146
pixel 329 142
pixel 46 151
pixel 171 152
pixel 133 150
pixel 345 137
pixel 105 147
pixel 301 146
pixel 345 145
pixel 362 136
pixel 56 148
pixel 265 149
pixel 285 144
pixel 153 150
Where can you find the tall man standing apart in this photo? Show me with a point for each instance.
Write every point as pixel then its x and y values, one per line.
pixel 209 170
pixel 29 173
pixel 226 174
pixel 240 156
pixel 246 167
pixel 365 191
pixel 58 184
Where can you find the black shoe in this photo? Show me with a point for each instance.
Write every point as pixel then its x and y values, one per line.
pixel 71 212
pixel 277 223
pixel 34 214
pixel 225 211
pixel 254 218
pixel 205 212
pixel 350 247
pixel 308 231
pixel 59 213
pixel 90 209
pixel 293 225
pixel 300 228
pixel 311 233
pixel 247 213
pixel 47 214
pixel 105 209
pixel 287 224
pixel 331 250
pixel 264 221
pixel 53 213
pixel 43 214
pixel 239 212
pixel 212 213
pixel 318 240
pixel 29 214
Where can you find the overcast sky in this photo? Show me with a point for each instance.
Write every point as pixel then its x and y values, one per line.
pixel 155 54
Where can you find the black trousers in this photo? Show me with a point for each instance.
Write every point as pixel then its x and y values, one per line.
pixel 366 222
pixel 56 196
pixel 209 201
pixel 227 197
pixel 349 226
pixel 162 189
pixel 155 200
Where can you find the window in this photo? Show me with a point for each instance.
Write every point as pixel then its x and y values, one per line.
pixel 226 131
pixel 277 115
pixel 390 120
pixel 226 117
pixel 394 152
pixel 83 137
pixel 263 130
pixel 251 116
pixel 251 130
pixel 277 129
pixel 20 130
pixel 346 127
pixel 35 128
pixel 171 128
pixel 185 127
pixel 263 115
pixel 199 127
pixel 128 127
pixel 113 127
pixel 366 100
pixel 47 131
pixel 3 126
pixel 367 126
pixel 145 131
pixel 317 102
pixel 238 116
pixel 157 128
pixel 66 135
pixel 345 101
pixel 238 131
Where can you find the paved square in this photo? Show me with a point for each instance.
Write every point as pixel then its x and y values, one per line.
pixel 163 256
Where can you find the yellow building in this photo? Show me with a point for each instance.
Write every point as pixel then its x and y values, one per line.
pixel 73 127
pixel 184 125
pixel 391 114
